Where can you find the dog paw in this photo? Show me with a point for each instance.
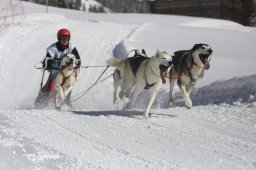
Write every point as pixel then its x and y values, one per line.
pixel 188 104
pixel 146 116
pixel 125 100
pixel 171 104
pixel 115 100
pixel 128 106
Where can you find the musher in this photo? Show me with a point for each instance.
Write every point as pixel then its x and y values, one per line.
pixel 52 60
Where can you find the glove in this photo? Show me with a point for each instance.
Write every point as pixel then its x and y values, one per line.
pixel 47 62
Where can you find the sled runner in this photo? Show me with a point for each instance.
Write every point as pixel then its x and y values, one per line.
pixel 44 93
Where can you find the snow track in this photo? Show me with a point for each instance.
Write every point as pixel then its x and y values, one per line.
pixel 124 140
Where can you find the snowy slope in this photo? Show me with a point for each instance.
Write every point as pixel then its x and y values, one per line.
pixel 97 134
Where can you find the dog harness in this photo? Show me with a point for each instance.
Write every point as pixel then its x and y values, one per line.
pixel 64 78
pixel 178 57
pixel 135 62
pixel 148 86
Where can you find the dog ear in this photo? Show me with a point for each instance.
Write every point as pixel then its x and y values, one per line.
pixel 63 61
pixel 196 46
pixel 189 62
pixel 157 52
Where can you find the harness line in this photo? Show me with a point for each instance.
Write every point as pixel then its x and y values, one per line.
pixel 96 82
pixel 35 66
pixel 93 66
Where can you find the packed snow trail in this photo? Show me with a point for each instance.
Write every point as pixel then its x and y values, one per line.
pixel 171 139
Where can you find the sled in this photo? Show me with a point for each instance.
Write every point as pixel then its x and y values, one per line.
pixel 44 95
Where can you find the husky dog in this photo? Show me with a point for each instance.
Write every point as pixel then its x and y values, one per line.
pixel 149 74
pixel 127 74
pixel 188 68
pixel 65 80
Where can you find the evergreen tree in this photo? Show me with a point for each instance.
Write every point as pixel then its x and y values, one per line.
pixel 77 4
pixel 84 7
pixel 58 3
pixel 131 6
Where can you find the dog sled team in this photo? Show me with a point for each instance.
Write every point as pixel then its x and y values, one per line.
pixel 131 75
pixel 63 62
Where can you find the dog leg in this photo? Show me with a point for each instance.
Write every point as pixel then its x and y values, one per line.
pixel 121 93
pixel 67 91
pixel 152 95
pixel 133 98
pixel 57 100
pixel 115 94
pixel 116 84
pixel 69 84
pixel 171 100
pixel 185 95
pixel 138 89
pixel 189 89
pixel 58 92
pixel 61 93
pixel 128 89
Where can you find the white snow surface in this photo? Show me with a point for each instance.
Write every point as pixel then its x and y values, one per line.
pixel 218 133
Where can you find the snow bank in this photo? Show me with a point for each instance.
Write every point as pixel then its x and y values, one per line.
pixel 239 90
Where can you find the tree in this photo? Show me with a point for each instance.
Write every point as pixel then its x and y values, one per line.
pixel 131 6
pixel 77 4
pixel 58 3
pixel 248 10
pixel 84 7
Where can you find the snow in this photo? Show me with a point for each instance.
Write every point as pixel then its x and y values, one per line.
pixel 219 132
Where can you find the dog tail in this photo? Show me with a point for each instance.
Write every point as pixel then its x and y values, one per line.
pixel 114 62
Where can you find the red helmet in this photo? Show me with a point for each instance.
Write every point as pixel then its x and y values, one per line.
pixel 63 32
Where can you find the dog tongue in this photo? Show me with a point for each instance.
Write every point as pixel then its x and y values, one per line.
pixel 207 65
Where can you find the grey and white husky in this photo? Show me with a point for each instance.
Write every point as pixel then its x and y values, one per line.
pixel 149 74
pixel 65 80
pixel 188 68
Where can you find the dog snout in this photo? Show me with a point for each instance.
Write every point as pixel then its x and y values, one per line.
pixel 70 61
pixel 210 51
pixel 170 63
